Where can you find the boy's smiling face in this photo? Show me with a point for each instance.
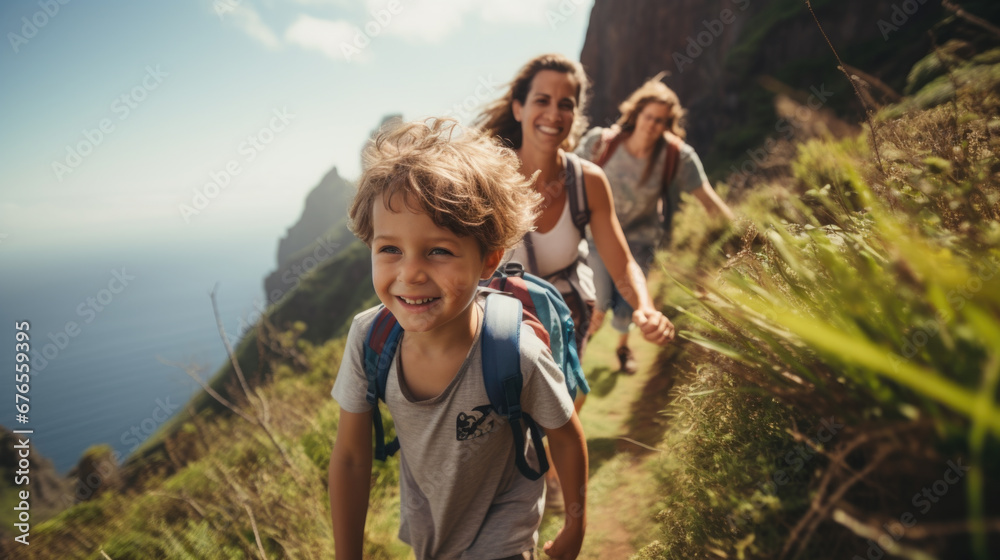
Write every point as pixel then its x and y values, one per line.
pixel 424 274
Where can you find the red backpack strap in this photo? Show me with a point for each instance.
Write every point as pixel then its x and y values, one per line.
pixel 673 154
pixel 517 288
pixel 606 146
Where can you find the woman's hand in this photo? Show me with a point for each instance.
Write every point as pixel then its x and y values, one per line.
pixel 654 325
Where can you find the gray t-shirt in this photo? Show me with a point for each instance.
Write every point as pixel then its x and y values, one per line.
pixel 635 202
pixel 461 494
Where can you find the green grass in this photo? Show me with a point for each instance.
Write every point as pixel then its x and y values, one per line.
pixel 859 291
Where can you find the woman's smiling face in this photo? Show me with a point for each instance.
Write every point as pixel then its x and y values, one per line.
pixel 548 111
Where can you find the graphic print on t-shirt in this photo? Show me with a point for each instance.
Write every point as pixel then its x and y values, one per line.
pixel 475 424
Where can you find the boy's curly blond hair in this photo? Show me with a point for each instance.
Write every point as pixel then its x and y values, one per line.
pixel 467 182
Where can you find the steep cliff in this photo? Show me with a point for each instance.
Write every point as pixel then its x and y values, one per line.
pixel 316 236
pixel 321 232
pixel 717 53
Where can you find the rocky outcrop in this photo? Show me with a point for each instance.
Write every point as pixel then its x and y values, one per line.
pixel 315 237
pixel 48 492
pixel 321 232
pixel 97 472
pixel 325 205
pixel 717 52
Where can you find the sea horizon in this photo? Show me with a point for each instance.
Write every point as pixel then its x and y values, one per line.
pixel 101 321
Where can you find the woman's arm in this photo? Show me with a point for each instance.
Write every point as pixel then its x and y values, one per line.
pixel 712 202
pixel 625 272
pixel 350 479
pixel 569 453
pixel 610 239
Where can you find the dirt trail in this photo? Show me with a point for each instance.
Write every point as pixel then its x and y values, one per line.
pixel 622 490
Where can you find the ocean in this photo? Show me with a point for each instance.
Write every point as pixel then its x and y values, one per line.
pixel 100 324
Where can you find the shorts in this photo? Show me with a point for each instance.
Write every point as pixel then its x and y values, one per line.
pixel 608 296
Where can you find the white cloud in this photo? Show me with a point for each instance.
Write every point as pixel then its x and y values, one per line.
pixel 332 38
pixel 247 19
pixel 339 3
pixel 425 21
pixel 525 12
pixel 415 21
pixel 431 21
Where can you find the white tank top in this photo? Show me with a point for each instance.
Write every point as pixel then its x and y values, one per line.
pixel 555 249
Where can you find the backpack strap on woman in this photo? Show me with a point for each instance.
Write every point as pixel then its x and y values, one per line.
pixel 579 208
pixel 576 190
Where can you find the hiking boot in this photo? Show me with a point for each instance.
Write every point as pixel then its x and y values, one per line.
pixel 626 361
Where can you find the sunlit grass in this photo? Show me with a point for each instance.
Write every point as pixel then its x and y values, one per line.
pixel 861 293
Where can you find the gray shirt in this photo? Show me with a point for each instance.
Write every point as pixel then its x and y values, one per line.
pixel 461 494
pixel 635 201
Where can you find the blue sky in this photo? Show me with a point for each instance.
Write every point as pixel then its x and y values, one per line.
pixel 180 88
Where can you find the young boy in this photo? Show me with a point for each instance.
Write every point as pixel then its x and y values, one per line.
pixel 438 207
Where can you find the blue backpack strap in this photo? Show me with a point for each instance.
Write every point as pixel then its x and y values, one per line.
pixel 562 332
pixel 502 375
pixel 380 348
pixel 551 310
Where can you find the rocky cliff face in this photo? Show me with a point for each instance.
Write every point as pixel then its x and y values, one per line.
pixel 325 205
pixel 718 51
pixel 317 235
pixel 321 232
pixel 48 492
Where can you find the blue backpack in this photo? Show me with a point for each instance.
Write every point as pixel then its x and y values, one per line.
pixel 514 297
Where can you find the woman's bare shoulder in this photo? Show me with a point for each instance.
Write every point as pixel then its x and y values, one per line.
pixel 592 172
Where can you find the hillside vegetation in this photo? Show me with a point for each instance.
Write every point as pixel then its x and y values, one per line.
pixel 847 334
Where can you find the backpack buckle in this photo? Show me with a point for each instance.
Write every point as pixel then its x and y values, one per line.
pixel 514 268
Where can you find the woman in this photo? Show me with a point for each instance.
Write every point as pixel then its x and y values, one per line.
pixel 648 166
pixel 540 117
